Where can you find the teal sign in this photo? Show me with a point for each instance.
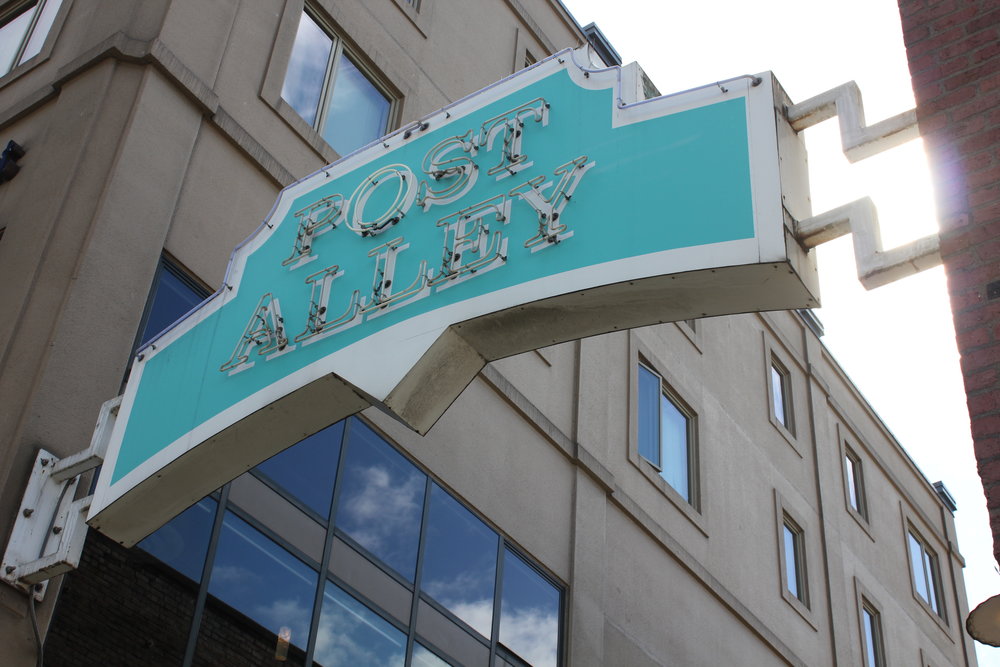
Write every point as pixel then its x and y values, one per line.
pixel 536 211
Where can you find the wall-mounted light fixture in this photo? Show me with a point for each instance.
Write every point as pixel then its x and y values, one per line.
pixel 8 161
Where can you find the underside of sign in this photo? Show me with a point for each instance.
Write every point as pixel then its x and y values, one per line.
pixel 548 207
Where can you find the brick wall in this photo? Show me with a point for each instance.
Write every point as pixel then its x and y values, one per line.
pixel 953 49
pixel 122 607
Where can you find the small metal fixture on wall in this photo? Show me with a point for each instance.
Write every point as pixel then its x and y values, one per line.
pixel 8 161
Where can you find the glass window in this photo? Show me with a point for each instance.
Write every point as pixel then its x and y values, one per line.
pixel 381 500
pixel 182 542
pixel 460 559
pixel 23 31
pixel 793 556
pixel 854 481
pixel 924 567
pixel 871 625
pixel 263 581
pixel 173 295
pixel 529 613
pixel 781 395
pixel 325 85
pixel 306 470
pixel 349 633
pixel 422 657
pixel 665 432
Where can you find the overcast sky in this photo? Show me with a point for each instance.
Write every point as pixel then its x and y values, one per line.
pixel 896 342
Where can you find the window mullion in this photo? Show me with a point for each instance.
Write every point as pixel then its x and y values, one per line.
pixel 37 11
pixel 336 53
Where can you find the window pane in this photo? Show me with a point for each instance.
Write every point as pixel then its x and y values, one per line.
pixel 307 67
pixel 674 437
pixel 791 562
pixel 931 578
pixel 916 562
pixel 41 30
pixel 648 420
pixel 778 395
pixel 529 613
pixel 173 297
pixel 357 112
pixel 11 36
pixel 182 542
pixel 307 469
pixel 258 578
pixel 382 498
pixel 460 559
pixel 349 633
pixel 424 658
pixel 852 488
pixel 871 631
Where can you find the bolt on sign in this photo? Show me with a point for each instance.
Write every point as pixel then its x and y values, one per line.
pixel 548 207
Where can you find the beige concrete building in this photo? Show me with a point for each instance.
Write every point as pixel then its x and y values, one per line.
pixel 710 492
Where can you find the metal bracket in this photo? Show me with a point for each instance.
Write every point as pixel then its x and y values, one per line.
pixel 876 266
pixel 50 529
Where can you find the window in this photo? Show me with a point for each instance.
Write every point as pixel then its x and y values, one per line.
pixel 794 560
pixel 854 483
pixel 781 396
pixel 872 643
pixel 926 577
pixel 23 31
pixel 327 87
pixel 378 564
pixel 666 433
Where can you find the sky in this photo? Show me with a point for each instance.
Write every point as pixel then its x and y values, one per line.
pixel 897 343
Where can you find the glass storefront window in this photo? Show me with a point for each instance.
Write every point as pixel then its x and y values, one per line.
pixel 460 556
pixel 529 613
pixel 183 541
pixel 350 633
pixel 258 578
pixel 381 499
pixel 306 470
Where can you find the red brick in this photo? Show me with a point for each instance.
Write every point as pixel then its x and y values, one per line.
pixel 975 277
pixel 990 471
pixel 910 7
pixel 969 43
pixel 985 426
pixel 984 176
pixel 986 448
pixel 958 18
pixel 988 138
pixel 949 100
pixel 985 195
pixel 988 401
pixel 980 358
pixel 986 215
pixel 916 33
pixel 969 75
pixel 990 82
pixel 984 21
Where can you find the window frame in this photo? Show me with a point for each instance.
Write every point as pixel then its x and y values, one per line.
pixel 693 499
pixel 391 84
pixel 787 516
pixel 777 355
pixel 684 397
pixel 854 478
pixel 866 606
pixel 782 389
pixel 929 560
pixel 19 66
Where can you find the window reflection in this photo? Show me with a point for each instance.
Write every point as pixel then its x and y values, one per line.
pixel 257 577
pixel 529 613
pixel 306 470
pixel 183 542
pixel 460 556
pixel 307 69
pixel 382 499
pixel 351 634
pixel 357 112
pixel 424 658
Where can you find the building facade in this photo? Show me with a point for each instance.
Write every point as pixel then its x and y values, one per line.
pixel 706 492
